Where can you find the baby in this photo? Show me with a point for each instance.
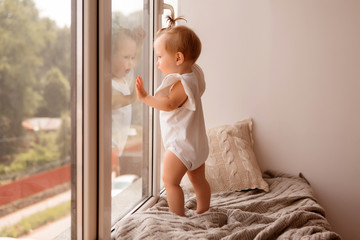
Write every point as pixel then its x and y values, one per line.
pixel 181 116
pixel 125 51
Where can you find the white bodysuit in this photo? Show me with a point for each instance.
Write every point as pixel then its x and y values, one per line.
pixel 121 119
pixel 183 129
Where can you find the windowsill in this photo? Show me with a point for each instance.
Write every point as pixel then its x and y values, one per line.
pixel 143 206
pixel 120 206
pixel 120 203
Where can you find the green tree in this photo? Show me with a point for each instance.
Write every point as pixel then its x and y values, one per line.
pixel 63 138
pixel 62 51
pixel 19 47
pixel 21 41
pixel 57 49
pixel 30 47
pixel 6 146
pixel 55 93
pixel 35 157
pixel 40 154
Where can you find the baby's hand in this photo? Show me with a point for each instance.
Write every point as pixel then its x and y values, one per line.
pixel 141 92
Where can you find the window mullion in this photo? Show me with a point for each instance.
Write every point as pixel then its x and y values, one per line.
pixel 104 199
pixel 90 120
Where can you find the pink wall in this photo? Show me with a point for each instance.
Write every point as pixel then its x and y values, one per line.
pixel 294 67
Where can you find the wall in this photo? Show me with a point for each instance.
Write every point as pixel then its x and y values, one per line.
pixel 294 67
pixel 33 184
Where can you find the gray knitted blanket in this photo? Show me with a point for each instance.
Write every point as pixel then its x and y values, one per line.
pixel 288 211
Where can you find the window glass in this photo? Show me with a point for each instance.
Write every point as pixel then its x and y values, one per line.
pixel 130 118
pixel 35 119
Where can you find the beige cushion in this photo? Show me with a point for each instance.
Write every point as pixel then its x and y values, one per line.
pixel 232 164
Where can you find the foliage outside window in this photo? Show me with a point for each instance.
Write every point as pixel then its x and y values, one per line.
pixel 34 89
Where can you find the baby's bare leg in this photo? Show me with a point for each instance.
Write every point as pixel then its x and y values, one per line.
pixel 173 172
pixel 202 188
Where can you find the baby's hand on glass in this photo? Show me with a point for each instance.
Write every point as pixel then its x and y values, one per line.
pixel 141 92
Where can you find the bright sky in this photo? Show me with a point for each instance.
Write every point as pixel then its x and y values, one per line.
pixel 60 10
pixel 126 6
pixel 57 10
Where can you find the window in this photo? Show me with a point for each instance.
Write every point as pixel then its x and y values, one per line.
pixel 35 117
pixel 71 150
pixel 130 121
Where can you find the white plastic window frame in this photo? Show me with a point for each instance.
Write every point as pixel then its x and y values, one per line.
pixel 92 33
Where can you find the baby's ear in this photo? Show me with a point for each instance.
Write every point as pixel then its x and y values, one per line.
pixel 179 58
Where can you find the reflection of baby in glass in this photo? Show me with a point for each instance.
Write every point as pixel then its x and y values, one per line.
pixel 125 54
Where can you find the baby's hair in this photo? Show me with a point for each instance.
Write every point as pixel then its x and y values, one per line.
pixel 181 39
pixel 118 34
pixel 172 21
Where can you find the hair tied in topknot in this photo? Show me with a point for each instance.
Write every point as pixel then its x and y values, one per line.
pixel 172 21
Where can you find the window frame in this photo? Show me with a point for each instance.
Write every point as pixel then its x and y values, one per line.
pixel 89 61
pixel 77 120
pixel 91 28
